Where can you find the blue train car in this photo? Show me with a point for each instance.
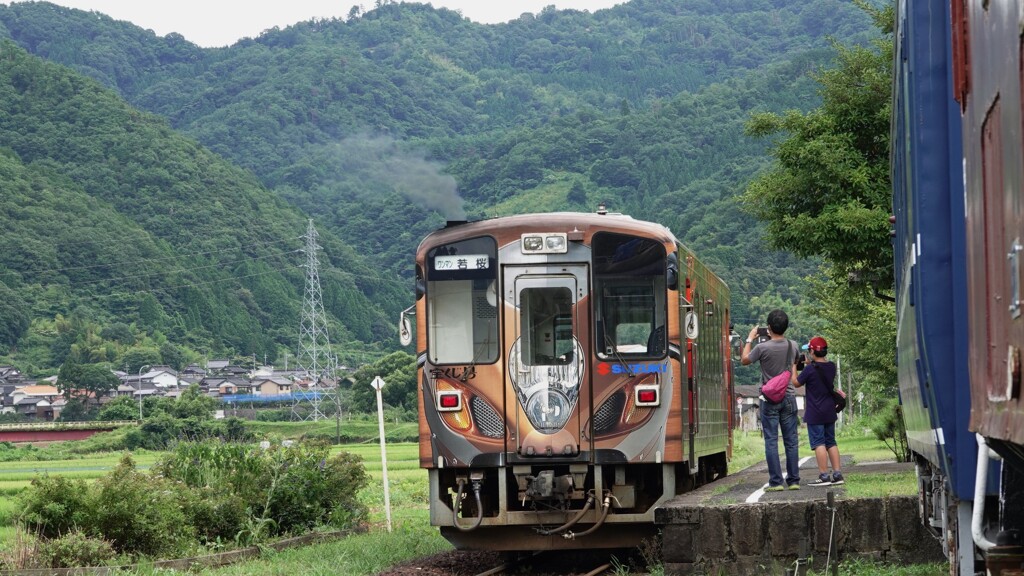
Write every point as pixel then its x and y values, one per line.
pixel 941 298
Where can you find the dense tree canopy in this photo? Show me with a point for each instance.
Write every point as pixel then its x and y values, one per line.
pixel 829 193
pixel 828 196
pixel 398 370
pixel 83 381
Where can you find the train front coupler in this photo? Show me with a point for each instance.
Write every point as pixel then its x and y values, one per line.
pixel 545 486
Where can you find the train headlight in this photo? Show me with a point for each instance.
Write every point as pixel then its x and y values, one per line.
pixel 548 410
pixel 462 410
pixel 545 243
pixel 533 243
pixel 554 243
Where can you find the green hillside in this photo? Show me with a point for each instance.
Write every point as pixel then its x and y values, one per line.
pixel 379 126
pixel 110 216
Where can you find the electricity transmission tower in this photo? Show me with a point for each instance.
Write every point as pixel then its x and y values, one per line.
pixel 314 355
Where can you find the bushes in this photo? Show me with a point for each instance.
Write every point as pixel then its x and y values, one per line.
pixel 287 489
pixel 888 426
pixel 74 549
pixel 140 513
pixel 162 431
pixel 55 505
pixel 201 494
pixel 217 514
pixel 310 486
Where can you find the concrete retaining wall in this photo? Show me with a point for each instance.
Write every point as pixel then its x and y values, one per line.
pixel 769 538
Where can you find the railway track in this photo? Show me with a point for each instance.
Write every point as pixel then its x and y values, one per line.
pixel 539 565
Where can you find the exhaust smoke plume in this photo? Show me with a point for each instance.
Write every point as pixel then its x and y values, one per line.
pixel 382 158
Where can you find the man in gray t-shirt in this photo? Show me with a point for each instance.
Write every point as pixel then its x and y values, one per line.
pixel 775 356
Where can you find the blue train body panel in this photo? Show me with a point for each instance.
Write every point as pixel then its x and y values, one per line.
pixel 928 204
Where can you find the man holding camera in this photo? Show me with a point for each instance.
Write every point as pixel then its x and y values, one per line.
pixel 777 354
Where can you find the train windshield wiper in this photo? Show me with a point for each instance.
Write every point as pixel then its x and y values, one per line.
pixel 615 350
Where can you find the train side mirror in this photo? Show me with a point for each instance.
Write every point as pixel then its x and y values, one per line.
pixel 672 272
pixel 405 326
pixel 736 343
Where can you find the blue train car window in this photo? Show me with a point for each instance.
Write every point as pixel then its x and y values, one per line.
pixel 462 302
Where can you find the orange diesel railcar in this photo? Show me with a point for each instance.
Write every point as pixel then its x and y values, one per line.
pixel 574 373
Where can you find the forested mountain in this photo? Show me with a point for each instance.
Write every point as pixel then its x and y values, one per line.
pixel 382 124
pixel 111 217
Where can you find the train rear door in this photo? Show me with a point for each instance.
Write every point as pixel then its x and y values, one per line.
pixel 546 360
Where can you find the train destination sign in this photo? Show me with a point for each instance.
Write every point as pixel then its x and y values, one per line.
pixel 462 262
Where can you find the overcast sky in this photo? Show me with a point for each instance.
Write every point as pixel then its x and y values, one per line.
pixel 211 23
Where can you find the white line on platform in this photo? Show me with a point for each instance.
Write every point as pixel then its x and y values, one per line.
pixel 756 494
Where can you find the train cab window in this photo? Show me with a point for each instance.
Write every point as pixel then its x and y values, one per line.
pixel 462 302
pixel 630 307
pixel 545 315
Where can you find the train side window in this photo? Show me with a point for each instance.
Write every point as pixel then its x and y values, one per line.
pixel 630 285
pixel 462 312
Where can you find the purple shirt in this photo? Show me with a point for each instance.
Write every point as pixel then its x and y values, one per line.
pixel 819 407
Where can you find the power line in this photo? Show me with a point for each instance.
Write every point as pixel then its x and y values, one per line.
pixel 142 261
pixel 220 264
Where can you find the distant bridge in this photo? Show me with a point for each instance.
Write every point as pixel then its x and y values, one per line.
pixel 33 432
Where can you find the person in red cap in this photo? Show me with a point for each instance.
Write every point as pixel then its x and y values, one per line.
pixel 818 376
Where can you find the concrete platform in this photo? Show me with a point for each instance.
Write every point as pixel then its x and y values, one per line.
pixel 733 527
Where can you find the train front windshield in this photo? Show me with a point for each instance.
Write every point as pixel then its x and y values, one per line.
pixel 462 302
pixel 631 301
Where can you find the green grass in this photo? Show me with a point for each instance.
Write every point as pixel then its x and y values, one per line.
pixel 406 480
pixel 364 554
pixel 747 450
pixel 359 427
pixel 412 536
pixel 748 447
pixel 865 568
pixel 881 485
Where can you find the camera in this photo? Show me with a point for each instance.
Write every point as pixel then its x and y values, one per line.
pixel 762 335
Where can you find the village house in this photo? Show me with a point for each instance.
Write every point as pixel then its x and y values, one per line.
pixel 271 386
pixel 37 402
pixel 44 400
pixel 217 366
pixel 162 377
pixel 193 371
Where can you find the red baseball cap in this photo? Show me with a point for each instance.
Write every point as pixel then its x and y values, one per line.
pixel 817 343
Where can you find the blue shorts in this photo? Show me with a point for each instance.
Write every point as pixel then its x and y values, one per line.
pixel 821 435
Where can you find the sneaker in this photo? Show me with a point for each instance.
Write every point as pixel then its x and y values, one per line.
pixel 837 478
pixel 774 489
pixel 823 480
pixel 794 486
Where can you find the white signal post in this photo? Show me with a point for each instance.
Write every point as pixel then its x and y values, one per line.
pixel 378 384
